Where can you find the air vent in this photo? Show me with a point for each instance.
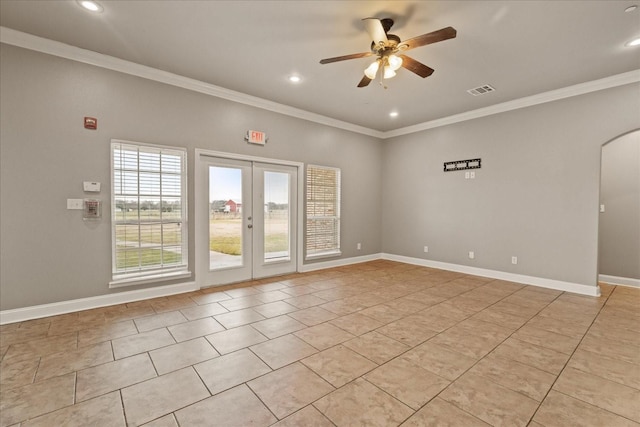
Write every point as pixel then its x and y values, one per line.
pixel 481 90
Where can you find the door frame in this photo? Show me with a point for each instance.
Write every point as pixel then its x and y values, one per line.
pixel 198 204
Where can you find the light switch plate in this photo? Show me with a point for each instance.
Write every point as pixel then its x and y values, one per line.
pixel 77 204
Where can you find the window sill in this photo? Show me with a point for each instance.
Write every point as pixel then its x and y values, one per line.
pixel 323 255
pixel 151 278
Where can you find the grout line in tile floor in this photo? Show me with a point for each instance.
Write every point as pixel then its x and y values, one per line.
pixel 471 367
pixel 572 353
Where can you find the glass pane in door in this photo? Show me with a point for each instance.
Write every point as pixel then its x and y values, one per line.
pixel 225 217
pixel 276 216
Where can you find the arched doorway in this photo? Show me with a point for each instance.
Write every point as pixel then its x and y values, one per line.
pixel 619 222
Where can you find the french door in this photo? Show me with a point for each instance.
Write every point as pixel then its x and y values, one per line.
pixel 247 219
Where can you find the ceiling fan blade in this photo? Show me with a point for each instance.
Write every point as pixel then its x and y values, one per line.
pixel 364 82
pixel 345 57
pixel 416 67
pixel 433 37
pixel 376 30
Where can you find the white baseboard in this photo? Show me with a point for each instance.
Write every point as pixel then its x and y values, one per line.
pixel 615 280
pixel 62 307
pixel 339 262
pixel 576 288
pixel 54 309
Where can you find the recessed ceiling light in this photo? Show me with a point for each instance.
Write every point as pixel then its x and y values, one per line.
pixel 91 6
pixel 634 42
pixel 631 8
pixel 393 114
pixel 294 79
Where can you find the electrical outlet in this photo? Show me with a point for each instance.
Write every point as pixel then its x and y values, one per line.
pixel 514 260
pixel 466 175
pixel 472 255
pixel 359 246
pixel 601 208
pixel 426 249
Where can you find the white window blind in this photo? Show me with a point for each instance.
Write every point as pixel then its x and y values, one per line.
pixel 149 229
pixel 323 211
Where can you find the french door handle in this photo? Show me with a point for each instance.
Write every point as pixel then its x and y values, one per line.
pixel 250 226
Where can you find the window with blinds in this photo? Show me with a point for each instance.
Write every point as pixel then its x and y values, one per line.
pixel 323 211
pixel 149 230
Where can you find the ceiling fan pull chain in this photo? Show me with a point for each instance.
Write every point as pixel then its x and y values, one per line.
pixel 382 83
pixel 381 74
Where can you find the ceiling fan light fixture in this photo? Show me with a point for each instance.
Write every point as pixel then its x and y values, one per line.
pixel 372 70
pixel 388 72
pixel 385 46
pixel 395 62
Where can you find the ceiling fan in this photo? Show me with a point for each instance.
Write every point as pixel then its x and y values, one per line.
pixel 388 47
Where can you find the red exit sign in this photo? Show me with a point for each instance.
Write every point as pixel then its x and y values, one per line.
pixel 256 137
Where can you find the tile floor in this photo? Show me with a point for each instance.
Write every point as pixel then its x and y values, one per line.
pixel 373 344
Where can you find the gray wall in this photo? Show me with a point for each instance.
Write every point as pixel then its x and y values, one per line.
pixel 48 253
pixel 535 197
pixel 619 244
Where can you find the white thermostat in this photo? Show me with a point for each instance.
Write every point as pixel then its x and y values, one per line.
pixel 91 187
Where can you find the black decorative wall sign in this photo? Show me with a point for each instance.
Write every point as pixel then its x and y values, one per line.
pixel 460 165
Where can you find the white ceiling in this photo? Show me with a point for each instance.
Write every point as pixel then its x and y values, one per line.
pixel 521 48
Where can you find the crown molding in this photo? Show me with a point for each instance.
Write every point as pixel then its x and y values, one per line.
pixel 43 45
pixel 62 50
pixel 541 98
